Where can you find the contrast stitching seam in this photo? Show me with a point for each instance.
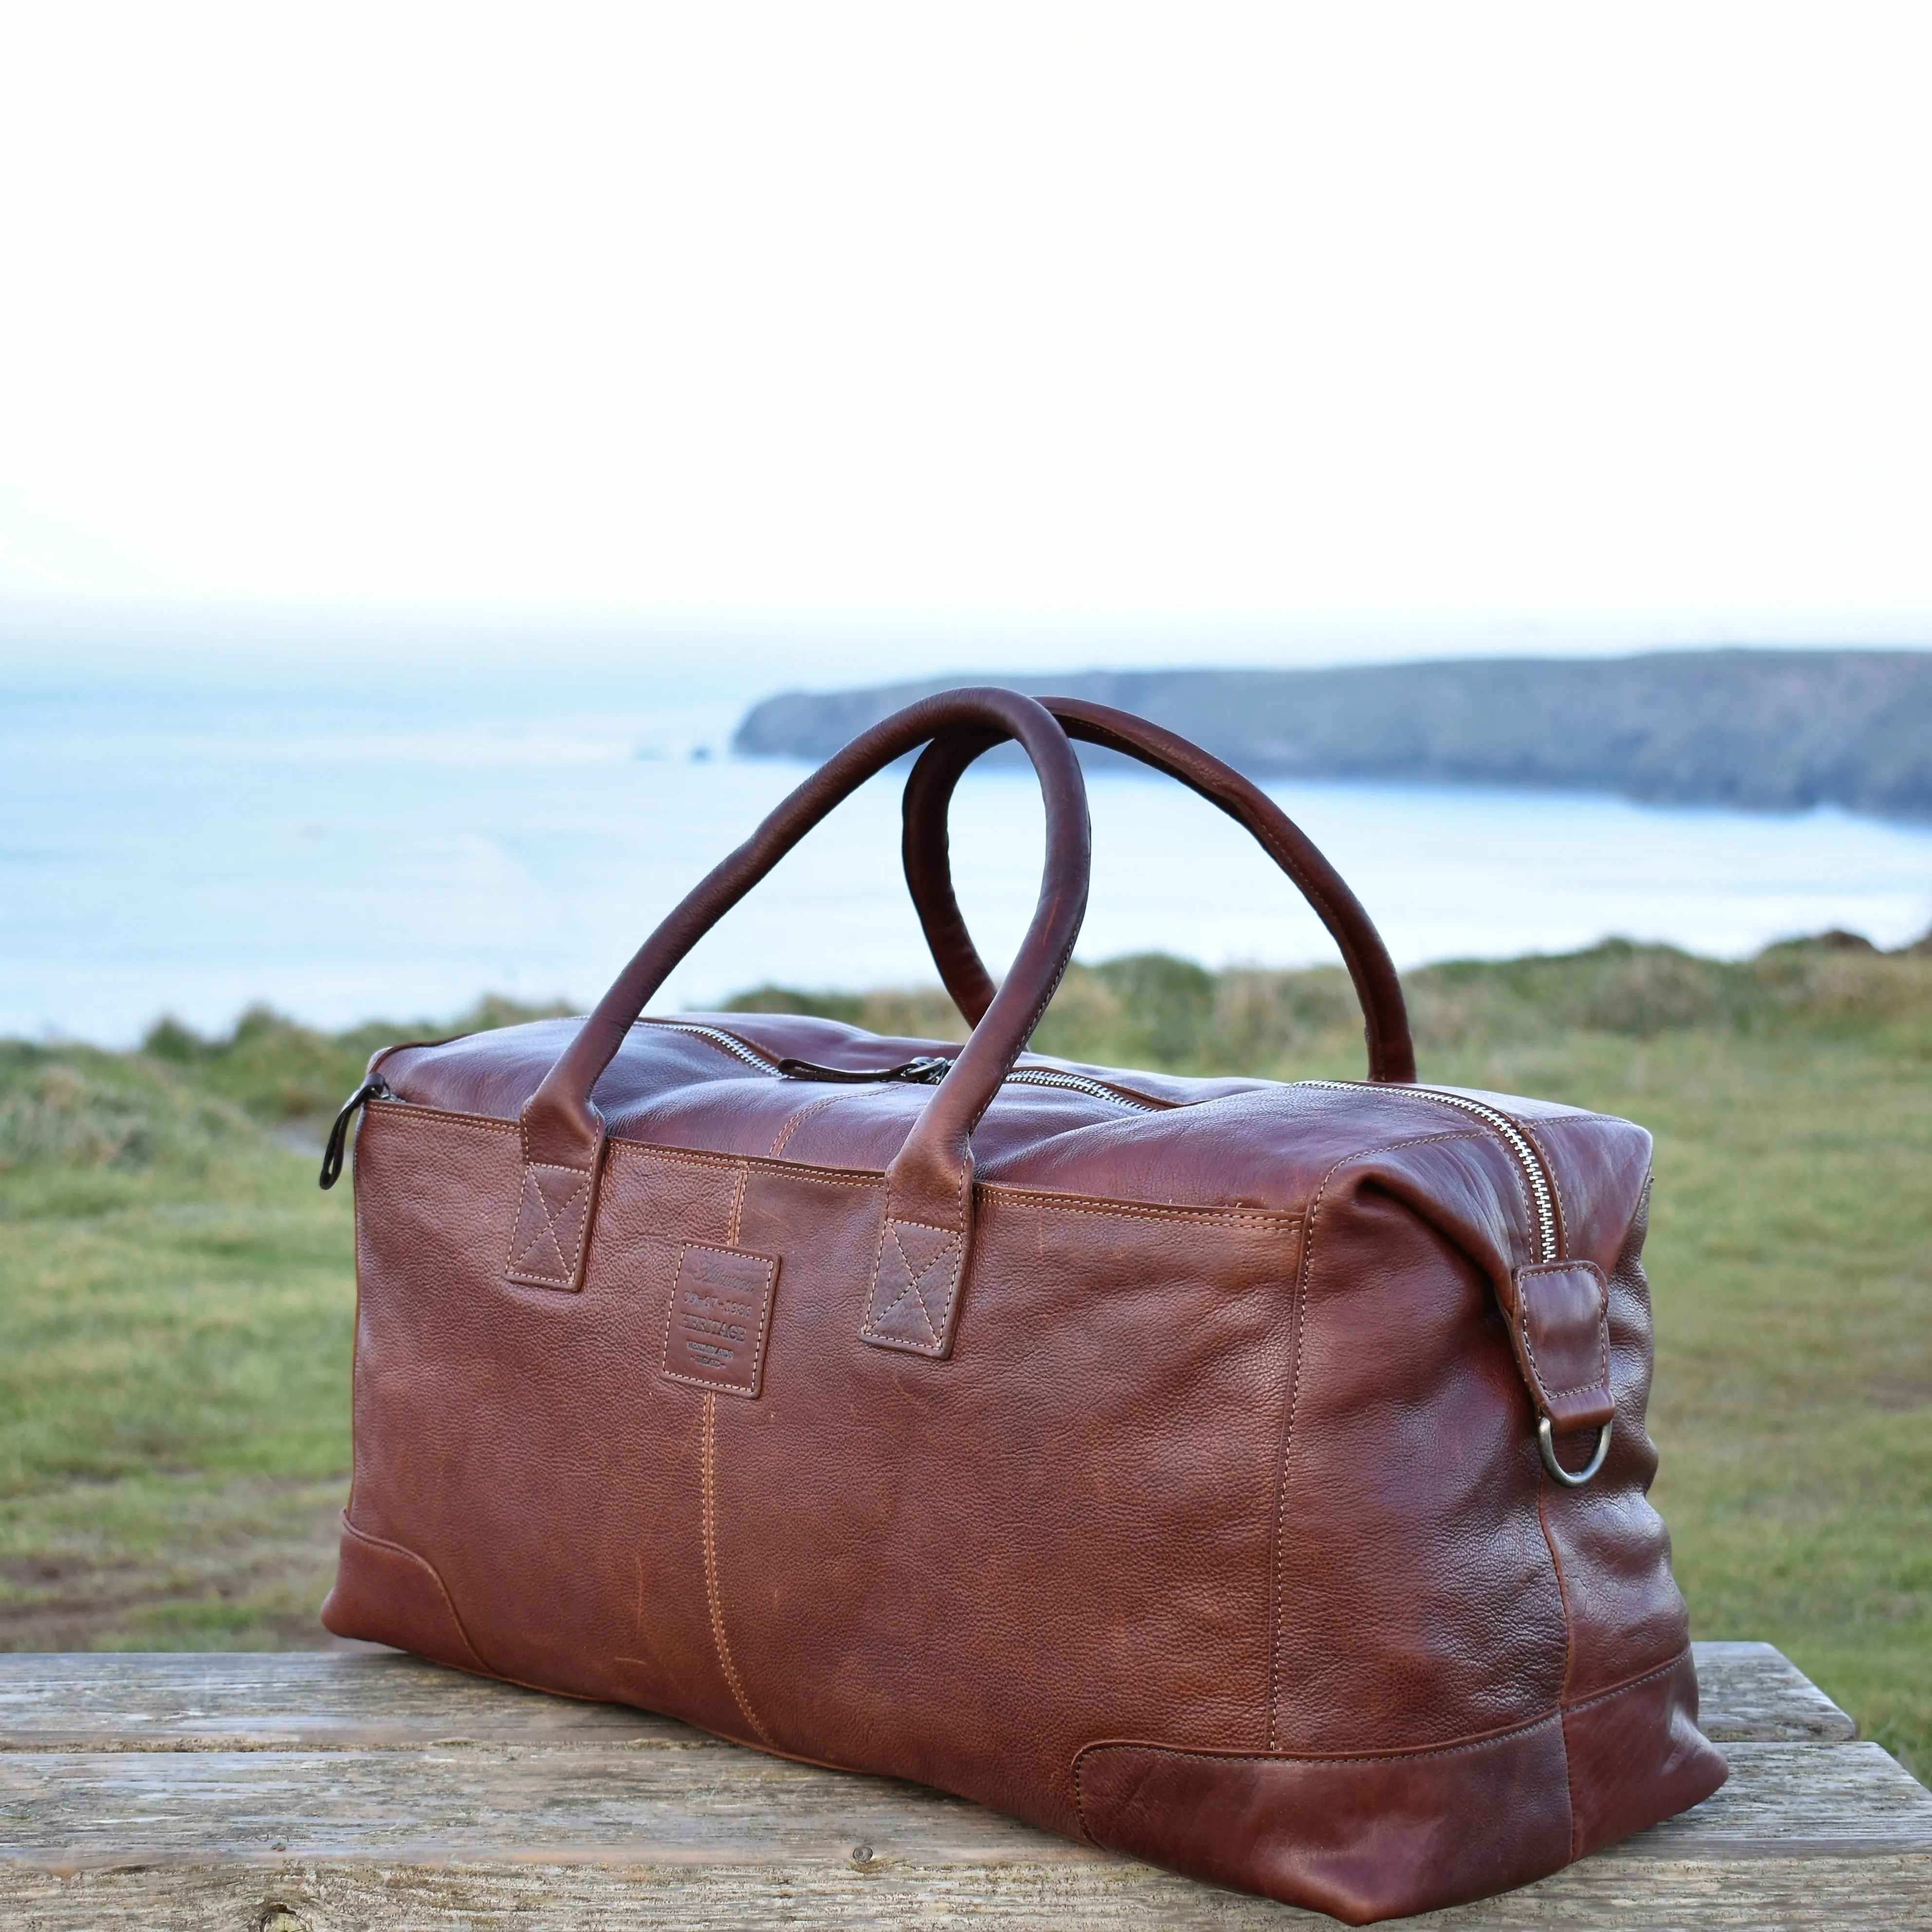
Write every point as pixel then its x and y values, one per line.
pixel 1576 1388
pixel 1482 1743
pixel 717 1636
pixel 1629 1683
pixel 865 1327
pixel 915 1276
pixel 1279 1757
pixel 1278 1634
pixel 581 1184
pixel 798 1120
pixel 738 1205
pixel 892 1224
pixel 576 1256
pixel 1083 1204
pixel 792 1170
pixel 700 1382
pixel 416 1113
pixel 1569 1652
pixel 1275 1596
pixel 990 1191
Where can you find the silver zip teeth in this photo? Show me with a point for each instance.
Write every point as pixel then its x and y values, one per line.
pixel 730 1043
pixel 1047 1076
pixel 1514 1138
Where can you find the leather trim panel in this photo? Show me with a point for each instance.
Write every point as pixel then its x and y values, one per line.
pixel 1636 1756
pixel 1369 1838
pixel 1360 1838
pixel 385 1594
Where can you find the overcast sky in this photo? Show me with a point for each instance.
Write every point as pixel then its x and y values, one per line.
pixel 1194 316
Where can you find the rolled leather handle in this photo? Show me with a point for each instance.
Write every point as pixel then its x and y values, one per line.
pixel 929 797
pixel 929 1181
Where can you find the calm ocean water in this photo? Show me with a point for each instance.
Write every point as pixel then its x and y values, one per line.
pixel 381 845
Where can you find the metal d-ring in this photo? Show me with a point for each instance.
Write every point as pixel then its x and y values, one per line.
pixel 1546 1444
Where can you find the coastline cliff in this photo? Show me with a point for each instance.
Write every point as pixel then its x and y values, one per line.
pixel 1759 730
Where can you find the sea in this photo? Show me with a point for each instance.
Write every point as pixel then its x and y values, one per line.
pixel 393 835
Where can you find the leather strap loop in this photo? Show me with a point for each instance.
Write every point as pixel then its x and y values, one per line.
pixel 929 795
pixel 929 1182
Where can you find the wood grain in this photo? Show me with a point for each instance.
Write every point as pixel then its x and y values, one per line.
pixel 368 1699
pixel 341 1791
pixel 1751 1690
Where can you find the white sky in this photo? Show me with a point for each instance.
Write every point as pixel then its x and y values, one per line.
pixel 1214 315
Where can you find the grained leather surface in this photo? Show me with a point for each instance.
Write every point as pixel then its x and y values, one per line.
pixel 1181 1493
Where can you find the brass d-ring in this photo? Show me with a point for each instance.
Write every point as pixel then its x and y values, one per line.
pixel 1546 1444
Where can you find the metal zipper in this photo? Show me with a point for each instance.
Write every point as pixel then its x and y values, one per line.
pixel 1078 1083
pixel 740 1049
pixel 1542 1189
pixel 927 1070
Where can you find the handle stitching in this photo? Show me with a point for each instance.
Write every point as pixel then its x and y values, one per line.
pixel 950 1251
pixel 581 1181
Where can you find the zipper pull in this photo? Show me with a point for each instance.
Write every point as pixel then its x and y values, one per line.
pixel 927 1070
pixel 334 1153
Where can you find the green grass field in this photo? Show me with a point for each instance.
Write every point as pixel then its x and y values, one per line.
pixel 176 1297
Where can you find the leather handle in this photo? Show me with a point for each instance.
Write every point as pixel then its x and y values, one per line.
pixel 929 1181
pixel 929 796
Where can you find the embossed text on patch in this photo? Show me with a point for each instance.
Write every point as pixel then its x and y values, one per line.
pixel 721 1307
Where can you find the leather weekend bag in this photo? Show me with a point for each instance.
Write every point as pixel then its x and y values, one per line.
pixel 1247 1477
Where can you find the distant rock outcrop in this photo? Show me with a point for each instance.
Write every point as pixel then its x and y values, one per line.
pixel 1766 730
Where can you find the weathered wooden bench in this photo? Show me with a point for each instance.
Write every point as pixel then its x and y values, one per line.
pixel 332 1791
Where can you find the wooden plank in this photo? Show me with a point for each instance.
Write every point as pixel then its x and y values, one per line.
pixel 1818 1895
pixel 711 1803
pixel 716 1803
pixel 1752 1690
pixel 286 1700
pixel 326 1788
pixel 322 1700
pixel 897 1886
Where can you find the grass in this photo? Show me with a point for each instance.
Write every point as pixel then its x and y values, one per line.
pixel 176 1297
pixel 177 1304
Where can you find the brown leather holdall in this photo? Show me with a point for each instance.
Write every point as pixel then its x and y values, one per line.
pixel 1248 1477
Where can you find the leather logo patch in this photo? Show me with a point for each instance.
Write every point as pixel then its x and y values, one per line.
pixel 721 1307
